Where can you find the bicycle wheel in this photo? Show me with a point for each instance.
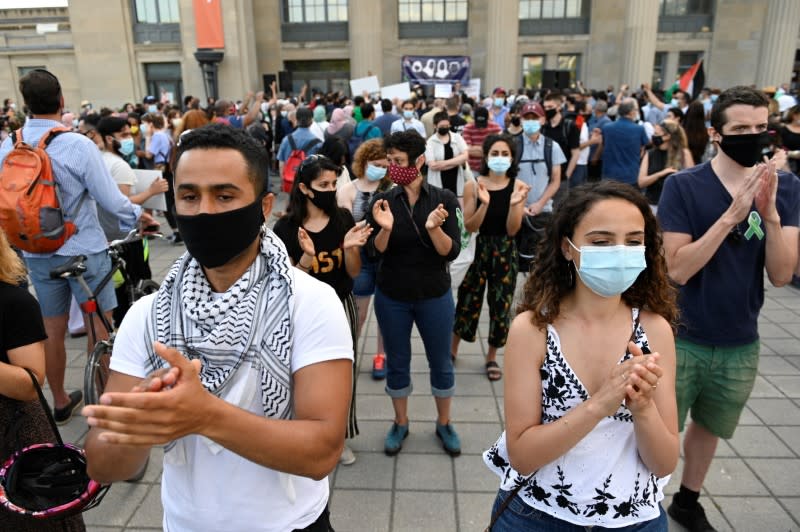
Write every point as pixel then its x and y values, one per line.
pixel 96 373
pixel 146 287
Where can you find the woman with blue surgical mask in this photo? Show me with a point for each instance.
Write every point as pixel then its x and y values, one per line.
pixel 370 169
pixel 495 211
pixel 593 344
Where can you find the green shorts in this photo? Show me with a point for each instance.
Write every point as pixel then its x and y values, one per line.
pixel 715 383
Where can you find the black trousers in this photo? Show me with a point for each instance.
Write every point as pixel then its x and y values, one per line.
pixel 322 524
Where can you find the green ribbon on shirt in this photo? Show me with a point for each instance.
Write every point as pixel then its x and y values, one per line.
pixel 754 229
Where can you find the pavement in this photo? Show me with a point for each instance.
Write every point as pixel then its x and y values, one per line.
pixel 753 484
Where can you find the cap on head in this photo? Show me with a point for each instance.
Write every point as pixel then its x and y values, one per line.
pixel 532 108
pixel 499 90
pixel 149 99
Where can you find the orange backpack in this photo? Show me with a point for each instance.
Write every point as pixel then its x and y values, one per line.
pixel 30 203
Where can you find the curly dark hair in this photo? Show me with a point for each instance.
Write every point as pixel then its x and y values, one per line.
pixel 553 277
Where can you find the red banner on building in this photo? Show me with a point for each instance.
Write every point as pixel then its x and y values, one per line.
pixel 208 23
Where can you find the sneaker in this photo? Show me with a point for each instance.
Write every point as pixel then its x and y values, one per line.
pixel 450 441
pixel 348 457
pixel 692 519
pixel 394 439
pixel 63 415
pixel 379 367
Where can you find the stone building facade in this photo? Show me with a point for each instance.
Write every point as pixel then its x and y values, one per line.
pixel 114 51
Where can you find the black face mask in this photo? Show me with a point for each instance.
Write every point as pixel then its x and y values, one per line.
pixel 550 113
pixel 215 239
pixel 657 140
pixel 443 131
pixel 516 121
pixel 745 149
pixel 323 199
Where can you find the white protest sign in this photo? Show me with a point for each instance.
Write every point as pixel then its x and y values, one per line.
pixel 473 90
pixel 401 91
pixel 442 90
pixel 143 180
pixel 369 84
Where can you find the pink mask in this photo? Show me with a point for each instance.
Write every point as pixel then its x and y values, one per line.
pixel 402 175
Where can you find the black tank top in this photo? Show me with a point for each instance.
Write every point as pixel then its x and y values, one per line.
pixel 494 223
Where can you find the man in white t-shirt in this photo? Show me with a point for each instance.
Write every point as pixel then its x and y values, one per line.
pixel 240 365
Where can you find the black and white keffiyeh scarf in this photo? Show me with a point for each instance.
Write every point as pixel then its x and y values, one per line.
pixel 248 324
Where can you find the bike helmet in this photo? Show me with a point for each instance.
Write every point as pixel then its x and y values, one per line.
pixel 48 480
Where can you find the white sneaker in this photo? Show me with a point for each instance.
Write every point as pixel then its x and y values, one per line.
pixel 347 457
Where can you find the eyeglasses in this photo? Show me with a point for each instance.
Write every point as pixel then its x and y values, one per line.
pixel 310 160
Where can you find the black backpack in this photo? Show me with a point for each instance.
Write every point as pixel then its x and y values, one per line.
pixel 548 154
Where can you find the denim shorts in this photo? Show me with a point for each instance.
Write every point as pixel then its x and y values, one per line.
pixel 54 295
pixel 518 516
pixel 364 284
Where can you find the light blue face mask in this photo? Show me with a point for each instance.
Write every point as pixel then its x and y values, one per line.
pixel 610 270
pixel 499 165
pixel 531 127
pixel 498 102
pixel 375 173
pixel 126 147
pixel 408 115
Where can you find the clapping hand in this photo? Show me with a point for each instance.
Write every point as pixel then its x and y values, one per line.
pixel 642 379
pixel 767 192
pixel 382 215
pixel 520 193
pixel 357 235
pixel 436 218
pixel 483 194
pixel 306 244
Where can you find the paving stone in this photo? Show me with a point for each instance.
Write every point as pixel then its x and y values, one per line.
pixel 370 438
pixel 475 510
pixel 758 442
pixel 473 475
pixel 783 346
pixel 472 364
pixel 790 436
pixel 788 385
pixel 776 365
pixel 724 450
pixel 762 388
pixel 374 407
pixel 474 409
pixel 118 506
pixel 730 476
pixel 425 472
pixel 674 483
pixel 150 513
pixel 781 476
pixel 370 471
pixel 345 516
pixel 478 385
pixel 477 437
pixel 769 331
pixel 776 411
pixel 428 511
pixel 793 505
pixel 749 418
pixel 755 513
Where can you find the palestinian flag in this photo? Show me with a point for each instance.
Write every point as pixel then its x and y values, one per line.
pixel 691 82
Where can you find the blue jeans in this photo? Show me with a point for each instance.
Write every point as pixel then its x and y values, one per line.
pixel 578 176
pixel 519 517
pixel 434 319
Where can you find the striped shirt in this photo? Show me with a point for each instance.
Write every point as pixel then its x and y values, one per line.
pixel 78 169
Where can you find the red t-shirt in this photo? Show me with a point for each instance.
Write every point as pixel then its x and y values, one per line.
pixel 474 136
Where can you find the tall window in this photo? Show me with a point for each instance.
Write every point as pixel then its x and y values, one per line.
pixel 532 67
pixel 686 60
pixel 432 10
pixel 25 69
pixel 659 66
pixel 315 10
pixel 538 9
pixel 157 12
pixel 679 8
pixel 571 63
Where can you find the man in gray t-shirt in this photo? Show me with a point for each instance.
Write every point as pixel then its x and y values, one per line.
pixel 532 166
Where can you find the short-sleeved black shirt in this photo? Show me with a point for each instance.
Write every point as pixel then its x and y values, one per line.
pixel 329 265
pixel 21 321
pixel 568 137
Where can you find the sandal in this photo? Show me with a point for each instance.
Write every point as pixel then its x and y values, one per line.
pixel 493 371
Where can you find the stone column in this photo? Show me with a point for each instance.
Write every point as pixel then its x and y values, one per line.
pixel 778 43
pixel 366 40
pixel 639 44
pixel 503 64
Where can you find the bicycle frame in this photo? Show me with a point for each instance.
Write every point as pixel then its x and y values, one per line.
pixel 91 306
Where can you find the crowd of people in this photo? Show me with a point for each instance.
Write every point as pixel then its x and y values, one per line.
pixel 643 224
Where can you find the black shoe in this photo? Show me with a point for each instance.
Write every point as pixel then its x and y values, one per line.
pixel 175 238
pixel 795 281
pixel 63 415
pixel 692 519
